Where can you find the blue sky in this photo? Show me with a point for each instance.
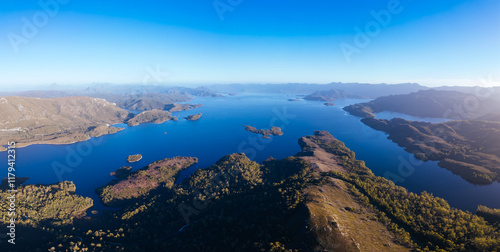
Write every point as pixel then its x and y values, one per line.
pixel 447 42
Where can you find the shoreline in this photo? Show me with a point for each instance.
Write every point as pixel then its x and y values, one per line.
pixel 56 142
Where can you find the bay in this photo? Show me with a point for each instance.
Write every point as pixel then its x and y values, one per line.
pixel 220 132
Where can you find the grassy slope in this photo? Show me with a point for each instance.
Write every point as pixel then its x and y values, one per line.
pixel 423 221
pixel 342 224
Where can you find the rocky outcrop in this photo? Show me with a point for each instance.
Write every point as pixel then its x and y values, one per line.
pixel 194 117
pixel 134 158
pixel 274 131
pixel 181 107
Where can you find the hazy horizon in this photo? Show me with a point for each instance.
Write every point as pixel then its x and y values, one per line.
pixel 66 87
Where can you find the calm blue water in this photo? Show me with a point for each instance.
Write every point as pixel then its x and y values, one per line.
pixel 220 131
pixel 389 115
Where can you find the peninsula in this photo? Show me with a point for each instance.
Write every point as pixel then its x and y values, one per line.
pixel 467 148
pixel 122 172
pixel 57 120
pixel 181 107
pixel 65 120
pixel 160 174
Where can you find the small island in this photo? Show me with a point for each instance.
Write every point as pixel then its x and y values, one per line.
pixel 194 117
pixel 134 158
pixel 294 99
pixel 274 131
pixel 329 104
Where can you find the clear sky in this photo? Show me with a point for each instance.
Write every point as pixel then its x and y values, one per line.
pixel 445 42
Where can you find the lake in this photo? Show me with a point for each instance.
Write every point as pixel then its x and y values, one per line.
pixel 220 132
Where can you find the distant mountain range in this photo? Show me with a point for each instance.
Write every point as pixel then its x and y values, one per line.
pixel 131 97
pixel 354 89
pixel 435 103
pixel 148 97
pixel 329 95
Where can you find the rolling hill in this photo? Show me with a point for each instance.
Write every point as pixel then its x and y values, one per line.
pixel 57 120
